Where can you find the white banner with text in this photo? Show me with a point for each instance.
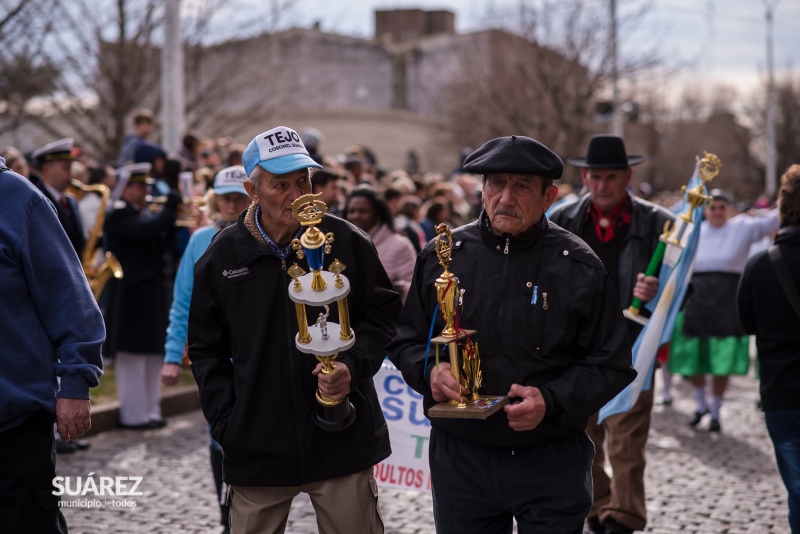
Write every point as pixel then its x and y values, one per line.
pixel 409 432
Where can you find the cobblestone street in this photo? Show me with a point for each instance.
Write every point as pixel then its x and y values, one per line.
pixel 697 482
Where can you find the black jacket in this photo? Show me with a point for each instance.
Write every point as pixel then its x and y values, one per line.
pixel 138 306
pixel 641 239
pixel 576 350
pixel 765 311
pixel 260 403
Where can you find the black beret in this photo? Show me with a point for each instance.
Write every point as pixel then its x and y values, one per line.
pixel 516 154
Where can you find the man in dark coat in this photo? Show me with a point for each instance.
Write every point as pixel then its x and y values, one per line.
pixel 765 310
pixel 623 231
pixel 257 390
pixel 138 309
pixel 551 336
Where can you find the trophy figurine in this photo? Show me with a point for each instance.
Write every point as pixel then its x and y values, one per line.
pixel 472 405
pixel 320 288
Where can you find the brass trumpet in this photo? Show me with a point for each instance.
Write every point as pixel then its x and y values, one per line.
pixel 98 272
pixel 189 214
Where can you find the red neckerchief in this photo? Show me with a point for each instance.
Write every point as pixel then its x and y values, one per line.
pixel 605 225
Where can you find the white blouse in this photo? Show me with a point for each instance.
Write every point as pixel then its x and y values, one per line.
pixel 725 249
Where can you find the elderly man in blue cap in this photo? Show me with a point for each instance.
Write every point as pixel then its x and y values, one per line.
pixel 551 337
pixel 257 390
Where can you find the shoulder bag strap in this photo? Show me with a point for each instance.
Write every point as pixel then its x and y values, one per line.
pixel 784 277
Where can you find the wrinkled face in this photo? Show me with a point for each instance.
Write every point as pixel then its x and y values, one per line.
pixel 361 214
pixel 607 186
pixel 275 194
pixel 230 205
pixel 717 213
pixel 57 174
pixel 514 203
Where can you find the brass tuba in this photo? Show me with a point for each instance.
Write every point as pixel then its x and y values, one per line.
pixel 97 275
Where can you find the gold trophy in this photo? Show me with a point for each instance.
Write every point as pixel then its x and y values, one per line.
pixel 472 405
pixel 672 241
pixel 319 288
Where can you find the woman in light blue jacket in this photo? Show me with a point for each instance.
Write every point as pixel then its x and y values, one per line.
pixel 224 203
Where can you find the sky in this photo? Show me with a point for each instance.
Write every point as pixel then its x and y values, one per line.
pixel 710 40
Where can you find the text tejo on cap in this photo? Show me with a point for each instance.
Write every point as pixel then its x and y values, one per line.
pixel 279 151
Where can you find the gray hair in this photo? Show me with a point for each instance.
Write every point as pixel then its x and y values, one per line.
pixel 255 175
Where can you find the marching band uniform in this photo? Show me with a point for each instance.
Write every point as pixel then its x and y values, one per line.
pixel 66 207
pixel 138 311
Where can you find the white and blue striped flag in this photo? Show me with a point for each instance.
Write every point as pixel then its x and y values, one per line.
pixel 676 269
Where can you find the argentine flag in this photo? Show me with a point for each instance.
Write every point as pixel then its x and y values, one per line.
pixel 676 269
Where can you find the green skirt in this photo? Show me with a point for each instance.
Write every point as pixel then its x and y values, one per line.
pixel 719 356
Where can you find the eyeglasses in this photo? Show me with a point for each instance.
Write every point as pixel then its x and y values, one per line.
pixel 720 207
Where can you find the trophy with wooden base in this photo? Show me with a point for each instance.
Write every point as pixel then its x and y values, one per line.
pixel 472 405
pixel 320 288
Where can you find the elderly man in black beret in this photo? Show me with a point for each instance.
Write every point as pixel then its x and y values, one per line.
pixel 551 337
pixel 623 231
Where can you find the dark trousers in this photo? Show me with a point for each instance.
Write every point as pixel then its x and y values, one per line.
pixel 27 469
pixel 784 430
pixel 478 489
pixel 625 435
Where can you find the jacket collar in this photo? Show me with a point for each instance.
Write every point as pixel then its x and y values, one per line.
pixel 524 240
pixel 248 243
pixel 576 213
pixel 787 233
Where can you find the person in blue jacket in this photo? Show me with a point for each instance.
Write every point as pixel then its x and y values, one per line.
pixel 224 203
pixel 51 334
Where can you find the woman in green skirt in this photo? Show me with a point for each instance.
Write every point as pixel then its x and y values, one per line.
pixel 708 339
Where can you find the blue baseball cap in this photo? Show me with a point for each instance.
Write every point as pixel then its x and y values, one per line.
pixel 230 180
pixel 279 151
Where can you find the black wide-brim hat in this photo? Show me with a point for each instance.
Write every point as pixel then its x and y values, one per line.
pixel 606 152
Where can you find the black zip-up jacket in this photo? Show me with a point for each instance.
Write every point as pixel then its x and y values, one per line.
pixel 638 246
pixel 256 388
pixel 546 316
pixel 765 310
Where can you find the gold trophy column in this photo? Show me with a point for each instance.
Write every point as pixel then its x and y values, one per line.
pixel 471 405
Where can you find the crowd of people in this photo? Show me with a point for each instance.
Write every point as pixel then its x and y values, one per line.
pixel 203 239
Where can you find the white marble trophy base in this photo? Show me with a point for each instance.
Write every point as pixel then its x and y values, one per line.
pixel 330 294
pixel 324 347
